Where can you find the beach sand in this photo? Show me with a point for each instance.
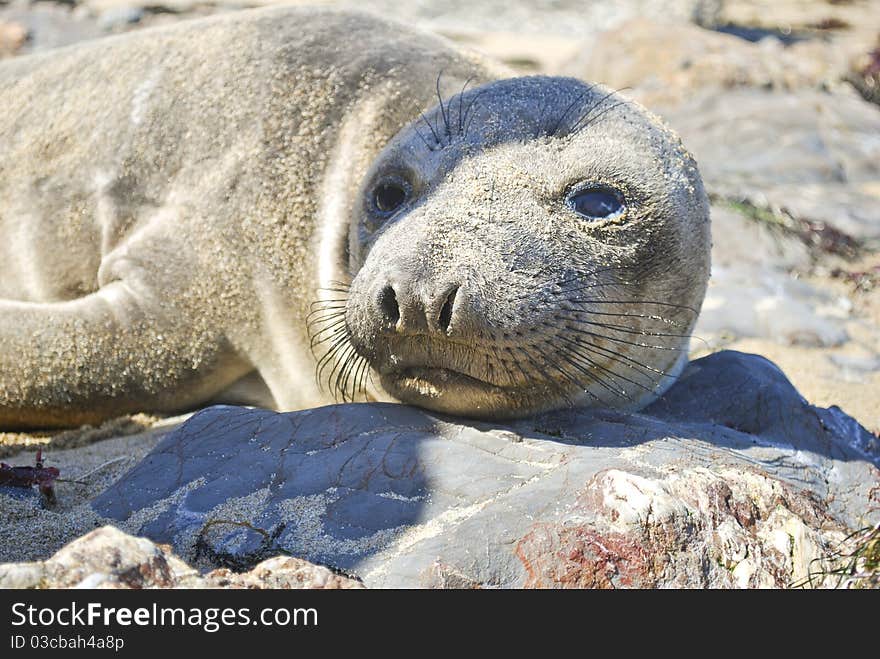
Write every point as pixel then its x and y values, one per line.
pixel 96 456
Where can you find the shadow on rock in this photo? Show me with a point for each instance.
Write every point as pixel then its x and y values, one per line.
pixel 702 488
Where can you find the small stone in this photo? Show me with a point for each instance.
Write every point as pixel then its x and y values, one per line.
pixel 12 37
pixel 508 436
pixel 109 558
pixel 118 18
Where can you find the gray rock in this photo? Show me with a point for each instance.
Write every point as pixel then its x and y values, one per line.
pixel 120 17
pixel 666 64
pixel 730 479
pixel 752 293
pixel 567 17
pixel 50 25
pixel 812 154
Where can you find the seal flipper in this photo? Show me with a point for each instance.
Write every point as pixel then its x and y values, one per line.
pixel 99 356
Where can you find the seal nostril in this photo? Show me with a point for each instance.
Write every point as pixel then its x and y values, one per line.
pixel 446 312
pixel 388 304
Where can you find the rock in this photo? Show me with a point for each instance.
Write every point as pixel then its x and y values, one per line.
pixel 50 25
pixel 788 16
pixel 664 64
pixel 561 17
pixel 12 37
pixel 824 164
pixel 524 53
pixel 105 557
pixel 120 17
pixel 730 479
pixel 752 294
pixel 109 558
pixel 281 572
pixel 865 74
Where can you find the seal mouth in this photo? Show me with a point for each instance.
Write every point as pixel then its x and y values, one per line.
pixel 452 392
pixel 447 390
pixel 433 381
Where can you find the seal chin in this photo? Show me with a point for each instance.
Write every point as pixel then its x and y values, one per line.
pixel 452 392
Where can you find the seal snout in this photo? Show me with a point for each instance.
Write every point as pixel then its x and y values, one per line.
pixel 404 308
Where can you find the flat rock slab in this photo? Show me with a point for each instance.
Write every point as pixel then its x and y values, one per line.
pixel 824 165
pixel 730 479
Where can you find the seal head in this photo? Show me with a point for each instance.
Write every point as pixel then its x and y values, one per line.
pixel 527 245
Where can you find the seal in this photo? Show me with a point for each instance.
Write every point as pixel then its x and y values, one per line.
pixel 289 198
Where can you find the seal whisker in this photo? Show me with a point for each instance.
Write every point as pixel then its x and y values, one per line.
pixel 431 128
pixel 325 323
pixel 460 103
pixel 662 304
pixel 595 119
pixel 661 319
pixel 627 330
pixel 582 122
pixel 551 381
pixel 500 360
pixel 339 368
pixel 318 336
pixel 616 356
pixel 360 376
pixel 443 110
pixel 618 340
pixel 320 325
pixel 358 383
pixel 352 359
pixel 468 119
pixel 423 138
pixel 352 376
pixel 335 333
pixel 571 378
pixel 339 390
pixel 328 358
pixel 556 126
pixel 326 307
pixel 325 303
pixel 577 350
pixel 575 355
pixel 516 362
pixel 578 277
pixel 322 316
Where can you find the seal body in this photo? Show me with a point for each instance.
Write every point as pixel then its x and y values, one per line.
pixel 190 208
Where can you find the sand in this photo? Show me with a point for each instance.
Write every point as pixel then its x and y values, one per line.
pixel 30 532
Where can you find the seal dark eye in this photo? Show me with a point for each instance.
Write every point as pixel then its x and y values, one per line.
pixel 388 196
pixel 596 203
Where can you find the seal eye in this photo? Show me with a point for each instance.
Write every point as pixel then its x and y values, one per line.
pixel 596 203
pixel 388 196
